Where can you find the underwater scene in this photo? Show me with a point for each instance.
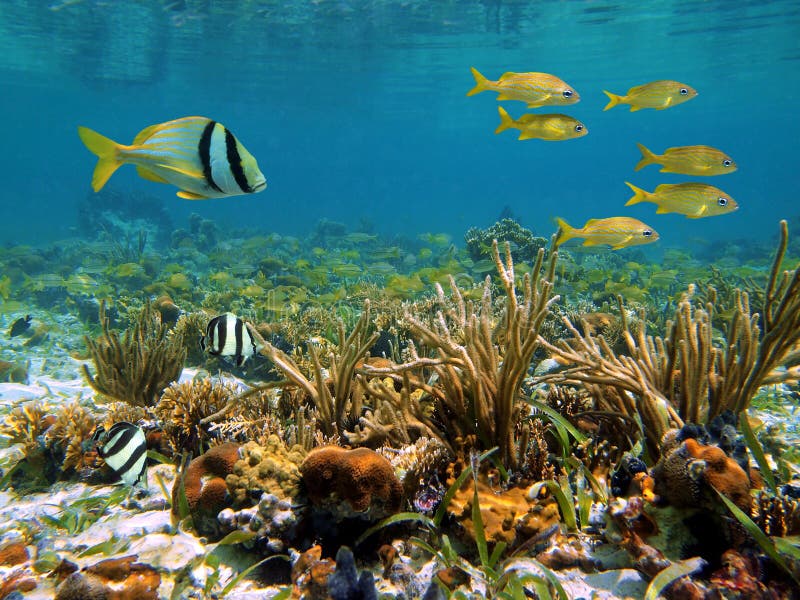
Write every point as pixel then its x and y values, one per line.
pixel 360 299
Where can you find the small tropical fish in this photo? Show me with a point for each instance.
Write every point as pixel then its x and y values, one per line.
pixel 124 449
pixel 552 128
pixel 227 336
pixel 196 154
pixel 617 232
pixel 688 160
pixel 656 94
pixel 536 89
pixel 695 200
pixel 20 326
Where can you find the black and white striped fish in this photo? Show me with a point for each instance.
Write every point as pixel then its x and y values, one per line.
pixel 227 336
pixel 200 156
pixel 124 449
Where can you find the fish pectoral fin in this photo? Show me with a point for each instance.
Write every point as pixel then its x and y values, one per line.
pixel 193 174
pixel 190 195
pixel 147 174
pixel 622 244
pixel 590 242
pixel 699 214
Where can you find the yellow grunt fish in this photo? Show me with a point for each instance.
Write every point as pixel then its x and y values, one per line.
pixel 695 200
pixel 552 128
pixel 196 154
pixel 656 94
pixel 688 160
pixel 536 89
pixel 617 232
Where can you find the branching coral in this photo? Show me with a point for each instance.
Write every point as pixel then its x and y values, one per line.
pixel 478 373
pixel 70 434
pixel 136 368
pixel 333 396
pixel 685 376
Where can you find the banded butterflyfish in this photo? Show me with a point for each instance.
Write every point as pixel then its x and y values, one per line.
pixel 227 336
pixel 124 449
pixel 198 155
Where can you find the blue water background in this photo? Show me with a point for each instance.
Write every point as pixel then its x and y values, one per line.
pixel 356 110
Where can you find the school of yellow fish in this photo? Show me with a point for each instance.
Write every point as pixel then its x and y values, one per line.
pixel 693 200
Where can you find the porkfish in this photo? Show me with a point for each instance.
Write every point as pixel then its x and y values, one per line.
pixel 550 127
pixel 617 232
pixel 688 160
pixel 659 95
pixel 536 89
pixel 199 156
pixel 694 200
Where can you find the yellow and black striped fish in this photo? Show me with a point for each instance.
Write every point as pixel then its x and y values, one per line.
pixel 198 155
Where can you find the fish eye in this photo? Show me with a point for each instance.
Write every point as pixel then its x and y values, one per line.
pixel 684 91
pixel 579 127
pixel 722 201
pixel 727 162
pixel 567 93
pixel 647 233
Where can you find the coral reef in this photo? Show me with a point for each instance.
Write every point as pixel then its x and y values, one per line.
pixel 351 483
pixel 478 365
pixel 203 483
pixel 272 468
pixel 687 376
pixel 509 515
pixel 136 368
pixel 525 244
pixel 119 578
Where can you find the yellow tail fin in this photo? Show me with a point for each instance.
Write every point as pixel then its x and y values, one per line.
pixel 107 156
pixel 506 122
pixel 648 158
pixel 614 100
pixel 565 231
pixel 481 83
pixel 639 195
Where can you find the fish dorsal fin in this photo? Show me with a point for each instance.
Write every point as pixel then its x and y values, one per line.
pixel 190 195
pixel 590 222
pixel 145 173
pixel 187 173
pixel 145 134
pixel 507 75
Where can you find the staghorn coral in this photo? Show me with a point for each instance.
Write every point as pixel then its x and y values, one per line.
pixel 686 376
pixel 479 364
pixel 351 483
pixel 137 367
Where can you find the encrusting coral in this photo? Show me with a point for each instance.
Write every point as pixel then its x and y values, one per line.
pixel 271 468
pixel 137 367
pixel 687 376
pixel 351 483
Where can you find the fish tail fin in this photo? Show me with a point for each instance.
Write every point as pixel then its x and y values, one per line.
pixel 565 231
pixel 648 158
pixel 639 195
pixel 108 159
pixel 506 121
pixel 481 83
pixel 615 99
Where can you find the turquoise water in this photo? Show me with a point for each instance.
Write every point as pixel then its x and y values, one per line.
pixel 356 110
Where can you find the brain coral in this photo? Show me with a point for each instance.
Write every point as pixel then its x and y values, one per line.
pixel 351 483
